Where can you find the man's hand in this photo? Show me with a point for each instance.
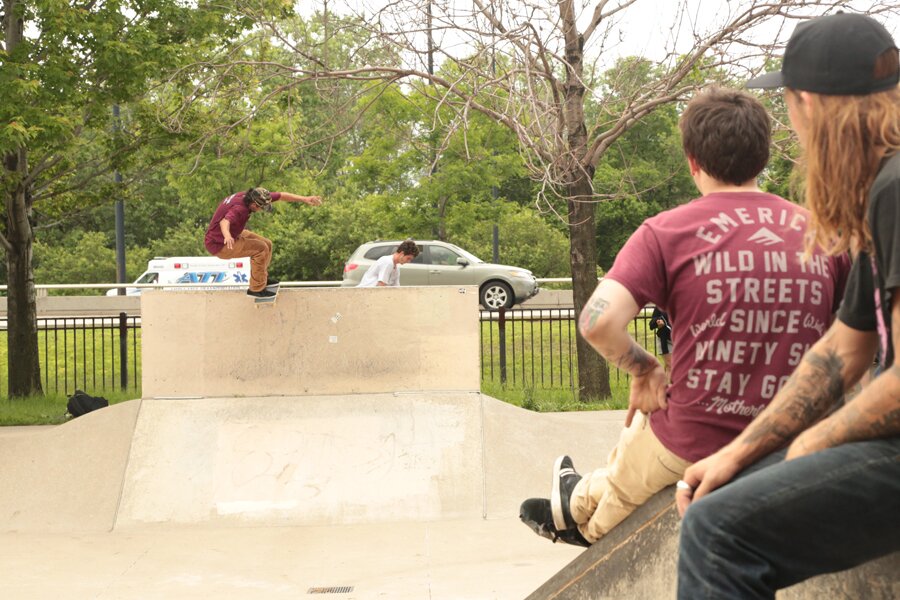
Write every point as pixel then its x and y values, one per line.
pixel 647 392
pixel 313 200
pixel 705 476
pixel 229 241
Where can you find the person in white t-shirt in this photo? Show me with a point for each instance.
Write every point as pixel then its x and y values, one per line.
pixel 386 270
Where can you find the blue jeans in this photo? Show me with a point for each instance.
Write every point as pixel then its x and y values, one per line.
pixel 781 522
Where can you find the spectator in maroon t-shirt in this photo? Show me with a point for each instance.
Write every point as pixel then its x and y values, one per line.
pixel 226 236
pixel 729 269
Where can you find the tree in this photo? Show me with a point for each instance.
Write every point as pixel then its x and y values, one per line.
pixel 531 68
pixel 63 65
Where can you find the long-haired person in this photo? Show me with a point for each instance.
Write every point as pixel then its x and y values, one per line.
pixel 813 484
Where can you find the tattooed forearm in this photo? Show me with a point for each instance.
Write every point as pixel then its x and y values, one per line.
pixel 809 393
pixel 595 308
pixel 635 360
pixel 885 418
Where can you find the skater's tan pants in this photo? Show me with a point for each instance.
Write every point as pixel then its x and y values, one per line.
pixel 259 249
pixel 638 467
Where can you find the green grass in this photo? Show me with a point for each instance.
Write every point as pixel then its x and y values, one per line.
pixel 554 400
pixel 541 368
pixel 85 358
pixel 47 410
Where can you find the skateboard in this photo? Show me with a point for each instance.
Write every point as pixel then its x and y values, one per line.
pixel 270 301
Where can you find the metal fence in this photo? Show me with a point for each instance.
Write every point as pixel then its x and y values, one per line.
pixel 93 354
pixel 519 348
pixel 536 347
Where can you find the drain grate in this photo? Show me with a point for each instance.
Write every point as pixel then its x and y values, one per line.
pixel 340 589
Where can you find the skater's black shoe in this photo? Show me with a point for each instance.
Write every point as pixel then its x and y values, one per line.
pixel 260 294
pixel 270 282
pixel 564 480
pixel 536 513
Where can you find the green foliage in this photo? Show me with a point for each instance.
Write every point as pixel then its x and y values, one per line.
pixel 616 221
pixel 526 239
pixel 185 239
pixel 83 257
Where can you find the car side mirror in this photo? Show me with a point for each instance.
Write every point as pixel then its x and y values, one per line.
pixel 462 262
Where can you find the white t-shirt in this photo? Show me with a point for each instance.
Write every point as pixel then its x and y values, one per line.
pixel 384 270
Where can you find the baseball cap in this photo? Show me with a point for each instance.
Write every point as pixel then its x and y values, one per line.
pixel 833 55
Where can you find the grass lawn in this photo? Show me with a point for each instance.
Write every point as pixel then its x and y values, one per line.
pixel 47 410
pixel 81 354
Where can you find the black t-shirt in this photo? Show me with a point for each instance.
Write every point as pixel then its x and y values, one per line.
pixel 858 309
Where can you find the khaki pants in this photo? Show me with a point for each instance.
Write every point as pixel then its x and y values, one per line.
pixel 638 467
pixel 259 249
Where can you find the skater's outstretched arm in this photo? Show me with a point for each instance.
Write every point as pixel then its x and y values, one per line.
pixel 311 200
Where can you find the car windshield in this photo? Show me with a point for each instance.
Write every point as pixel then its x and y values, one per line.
pixel 469 256
pixel 148 278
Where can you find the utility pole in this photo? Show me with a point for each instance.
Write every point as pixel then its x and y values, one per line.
pixel 120 214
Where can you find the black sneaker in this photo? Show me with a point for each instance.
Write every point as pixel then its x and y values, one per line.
pixel 270 282
pixel 564 480
pixel 260 293
pixel 537 514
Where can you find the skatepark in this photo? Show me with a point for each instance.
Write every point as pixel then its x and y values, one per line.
pixel 335 444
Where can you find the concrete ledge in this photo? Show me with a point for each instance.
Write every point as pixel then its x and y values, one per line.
pixel 82 306
pixel 312 341
pixel 639 559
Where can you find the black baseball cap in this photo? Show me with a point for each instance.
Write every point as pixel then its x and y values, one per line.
pixel 833 55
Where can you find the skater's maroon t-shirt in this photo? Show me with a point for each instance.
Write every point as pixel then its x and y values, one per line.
pixel 743 306
pixel 235 210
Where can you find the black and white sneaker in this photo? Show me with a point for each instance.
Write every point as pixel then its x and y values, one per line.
pixel 537 515
pixel 272 282
pixel 564 480
pixel 260 294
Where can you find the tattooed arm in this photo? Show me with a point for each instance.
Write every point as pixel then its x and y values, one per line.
pixel 833 365
pixel 604 324
pixel 873 413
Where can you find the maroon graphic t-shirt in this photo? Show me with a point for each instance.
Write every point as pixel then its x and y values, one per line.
pixel 744 306
pixel 236 211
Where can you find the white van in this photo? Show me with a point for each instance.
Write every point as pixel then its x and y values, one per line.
pixel 206 271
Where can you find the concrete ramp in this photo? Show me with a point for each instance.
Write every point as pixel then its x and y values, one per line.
pixel 314 460
pixel 67 478
pixel 639 559
pixel 341 460
pixel 291 461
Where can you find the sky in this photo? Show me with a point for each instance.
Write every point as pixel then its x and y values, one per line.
pixel 648 28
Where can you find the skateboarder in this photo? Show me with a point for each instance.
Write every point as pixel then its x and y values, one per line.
pixel 226 236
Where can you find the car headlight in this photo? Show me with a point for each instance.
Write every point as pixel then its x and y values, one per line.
pixel 521 274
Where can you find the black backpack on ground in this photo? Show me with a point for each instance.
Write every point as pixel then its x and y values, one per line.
pixel 81 403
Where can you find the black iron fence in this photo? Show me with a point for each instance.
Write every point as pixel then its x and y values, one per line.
pixel 89 353
pixel 519 348
pixel 536 347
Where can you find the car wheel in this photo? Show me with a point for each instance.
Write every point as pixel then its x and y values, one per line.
pixel 496 295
